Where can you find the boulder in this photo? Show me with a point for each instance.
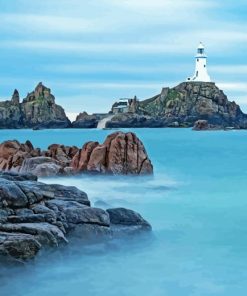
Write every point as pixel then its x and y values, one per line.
pixel 13 154
pixel 203 125
pixel 120 154
pixel 63 154
pixel 127 221
pixel 122 216
pixel 34 216
pixel 41 166
pixel 18 246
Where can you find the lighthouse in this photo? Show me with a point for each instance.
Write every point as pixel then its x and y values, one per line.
pixel 201 72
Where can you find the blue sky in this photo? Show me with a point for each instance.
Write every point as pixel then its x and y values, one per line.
pixel 91 52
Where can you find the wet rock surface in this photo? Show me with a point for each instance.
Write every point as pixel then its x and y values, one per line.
pixel 35 216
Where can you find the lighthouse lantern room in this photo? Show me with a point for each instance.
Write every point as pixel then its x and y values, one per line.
pixel 201 73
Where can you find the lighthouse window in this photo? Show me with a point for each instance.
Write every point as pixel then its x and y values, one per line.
pixel 204 66
pixel 197 60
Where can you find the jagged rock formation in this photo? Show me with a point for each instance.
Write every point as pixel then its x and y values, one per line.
pixel 34 216
pixel 37 110
pixel 181 106
pixel 120 154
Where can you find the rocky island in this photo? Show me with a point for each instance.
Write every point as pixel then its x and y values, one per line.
pixel 35 216
pixel 37 110
pixel 182 106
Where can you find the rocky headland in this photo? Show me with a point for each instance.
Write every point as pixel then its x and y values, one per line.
pixel 37 110
pixel 120 154
pixel 182 106
pixel 35 216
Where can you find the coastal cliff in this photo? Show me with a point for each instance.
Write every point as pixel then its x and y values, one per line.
pixel 182 106
pixel 37 110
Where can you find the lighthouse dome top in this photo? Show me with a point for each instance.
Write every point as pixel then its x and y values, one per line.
pixel 201 46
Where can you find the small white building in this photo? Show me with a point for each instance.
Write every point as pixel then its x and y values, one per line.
pixel 201 72
pixel 122 106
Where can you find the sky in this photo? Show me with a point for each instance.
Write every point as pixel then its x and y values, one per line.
pixel 92 52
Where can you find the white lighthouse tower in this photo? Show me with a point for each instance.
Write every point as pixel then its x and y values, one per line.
pixel 201 72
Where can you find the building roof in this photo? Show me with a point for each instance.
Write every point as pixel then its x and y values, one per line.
pixel 201 46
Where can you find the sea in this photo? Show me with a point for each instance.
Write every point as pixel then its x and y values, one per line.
pixel 196 202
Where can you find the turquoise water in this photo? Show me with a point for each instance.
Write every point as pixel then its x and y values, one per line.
pixel 196 203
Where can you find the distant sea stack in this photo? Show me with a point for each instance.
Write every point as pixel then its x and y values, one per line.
pixel 37 110
pixel 182 106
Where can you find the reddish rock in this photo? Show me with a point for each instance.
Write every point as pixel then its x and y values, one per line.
pixel 120 154
pixel 98 160
pixel 13 153
pixel 62 153
pixel 9 148
pixel 203 125
pixel 81 159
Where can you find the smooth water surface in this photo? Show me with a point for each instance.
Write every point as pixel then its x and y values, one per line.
pixel 196 203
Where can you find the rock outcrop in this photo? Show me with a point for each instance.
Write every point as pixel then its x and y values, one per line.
pixel 203 125
pixel 84 120
pixel 182 106
pixel 37 110
pixel 120 154
pixel 34 216
pixel 133 120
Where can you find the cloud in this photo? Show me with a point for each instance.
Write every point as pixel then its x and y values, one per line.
pixel 180 46
pixel 80 47
pixel 61 41
pixel 72 115
pixel 242 100
pixel 51 23
pixel 163 7
pixel 230 69
pixel 114 68
pixel 236 86
pixel 108 85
